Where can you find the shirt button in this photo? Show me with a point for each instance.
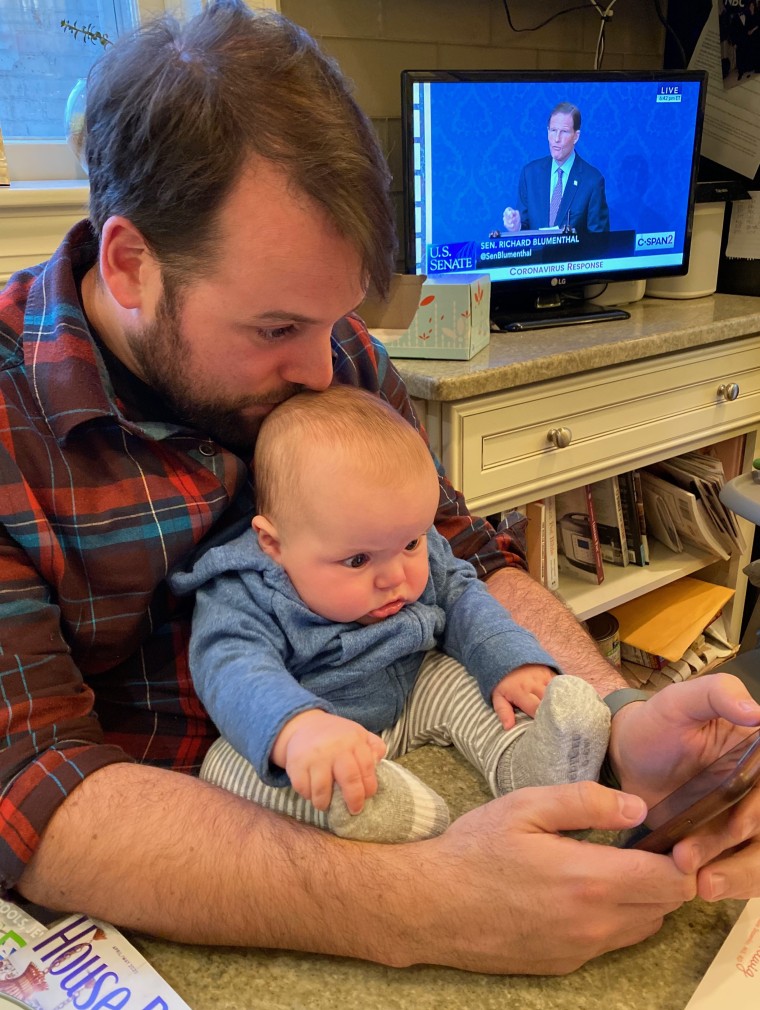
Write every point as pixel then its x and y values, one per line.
pixel 207 449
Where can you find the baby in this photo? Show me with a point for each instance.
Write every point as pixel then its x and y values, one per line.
pixel 340 632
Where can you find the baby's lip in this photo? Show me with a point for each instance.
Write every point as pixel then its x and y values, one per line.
pixel 387 610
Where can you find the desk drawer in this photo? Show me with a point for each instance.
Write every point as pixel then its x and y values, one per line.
pixel 497 449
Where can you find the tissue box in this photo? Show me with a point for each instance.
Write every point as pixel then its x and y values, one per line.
pixel 451 321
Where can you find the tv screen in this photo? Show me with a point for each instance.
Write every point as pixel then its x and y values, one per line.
pixel 482 190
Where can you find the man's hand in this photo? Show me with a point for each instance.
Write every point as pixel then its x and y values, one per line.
pixel 658 744
pixel 567 901
pixel 522 688
pixel 512 220
pixel 317 749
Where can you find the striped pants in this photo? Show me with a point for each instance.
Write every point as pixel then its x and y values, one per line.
pixel 445 707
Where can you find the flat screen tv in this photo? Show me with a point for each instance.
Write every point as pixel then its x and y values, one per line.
pixel 481 194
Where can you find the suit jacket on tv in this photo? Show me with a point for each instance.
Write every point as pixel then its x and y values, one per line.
pixel 583 207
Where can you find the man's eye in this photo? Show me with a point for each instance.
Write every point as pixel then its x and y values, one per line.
pixel 278 332
pixel 412 545
pixel 356 561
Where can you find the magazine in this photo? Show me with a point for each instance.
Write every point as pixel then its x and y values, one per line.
pixel 81 963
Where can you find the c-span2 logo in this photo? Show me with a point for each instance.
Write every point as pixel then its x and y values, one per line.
pixel 669 92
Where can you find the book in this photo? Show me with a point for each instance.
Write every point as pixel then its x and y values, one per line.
pixel 676 515
pixel 639 493
pixel 610 522
pixel 551 559
pixel 578 545
pixel 633 538
pixel 535 540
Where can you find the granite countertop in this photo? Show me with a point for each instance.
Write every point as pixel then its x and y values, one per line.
pixel 656 326
pixel 659 974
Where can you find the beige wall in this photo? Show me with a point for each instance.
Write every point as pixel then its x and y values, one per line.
pixel 374 40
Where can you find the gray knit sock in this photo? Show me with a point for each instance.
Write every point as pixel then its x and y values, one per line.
pixel 566 741
pixel 403 809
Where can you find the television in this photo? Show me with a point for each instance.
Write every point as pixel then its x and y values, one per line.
pixel 479 146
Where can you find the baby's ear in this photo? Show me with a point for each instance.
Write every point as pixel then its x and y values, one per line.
pixel 269 541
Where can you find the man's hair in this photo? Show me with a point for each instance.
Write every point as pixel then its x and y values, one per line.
pixel 566 109
pixel 174 112
pixel 354 424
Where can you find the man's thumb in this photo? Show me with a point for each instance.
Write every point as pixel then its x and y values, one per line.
pixel 585 805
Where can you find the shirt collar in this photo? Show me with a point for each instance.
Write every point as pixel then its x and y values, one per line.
pixel 65 367
pixel 566 167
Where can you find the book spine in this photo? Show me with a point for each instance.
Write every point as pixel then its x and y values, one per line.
pixel 639 496
pixel 551 556
pixel 535 540
pixel 630 518
pixel 594 535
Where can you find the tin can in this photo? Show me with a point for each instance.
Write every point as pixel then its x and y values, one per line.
pixel 604 629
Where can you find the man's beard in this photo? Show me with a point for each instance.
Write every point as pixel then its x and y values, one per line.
pixel 163 356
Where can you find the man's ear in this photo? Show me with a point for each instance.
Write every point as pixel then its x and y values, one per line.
pixel 128 268
pixel 269 540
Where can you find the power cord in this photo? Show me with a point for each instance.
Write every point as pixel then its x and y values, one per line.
pixel 604 14
pixel 669 29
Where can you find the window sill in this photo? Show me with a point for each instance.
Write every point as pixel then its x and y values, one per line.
pixel 34 217
pixel 61 193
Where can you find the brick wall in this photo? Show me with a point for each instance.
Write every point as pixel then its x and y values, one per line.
pixel 374 40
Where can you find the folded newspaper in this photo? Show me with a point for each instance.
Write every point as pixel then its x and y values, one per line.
pixel 77 962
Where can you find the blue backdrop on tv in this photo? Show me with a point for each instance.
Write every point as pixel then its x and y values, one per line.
pixel 484 133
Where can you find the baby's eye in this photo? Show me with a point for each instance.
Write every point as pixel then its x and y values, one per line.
pixel 412 545
pixel 356 561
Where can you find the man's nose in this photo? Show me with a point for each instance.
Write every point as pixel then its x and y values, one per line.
pixel 311 363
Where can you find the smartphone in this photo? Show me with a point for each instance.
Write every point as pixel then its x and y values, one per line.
pixel 707 794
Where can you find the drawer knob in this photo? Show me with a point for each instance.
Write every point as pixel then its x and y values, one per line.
pixel 728 390
pixel 561 437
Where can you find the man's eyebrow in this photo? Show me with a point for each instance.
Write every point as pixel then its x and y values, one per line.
pixel 282 315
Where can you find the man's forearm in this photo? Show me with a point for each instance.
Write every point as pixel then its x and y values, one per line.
pixel 556 628
pixel 169 855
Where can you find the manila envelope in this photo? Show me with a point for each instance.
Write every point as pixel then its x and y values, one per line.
pixel 667 620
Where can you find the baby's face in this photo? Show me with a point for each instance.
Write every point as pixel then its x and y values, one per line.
pixel 359 552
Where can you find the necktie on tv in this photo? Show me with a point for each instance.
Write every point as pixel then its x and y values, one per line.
pixel 556 199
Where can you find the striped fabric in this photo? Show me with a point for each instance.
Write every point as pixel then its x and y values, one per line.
pixel 99 501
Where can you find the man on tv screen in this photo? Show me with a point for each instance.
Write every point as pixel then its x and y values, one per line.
pixel 561 190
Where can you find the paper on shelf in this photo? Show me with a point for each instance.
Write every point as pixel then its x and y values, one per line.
pixel 667 620
pixel 733 979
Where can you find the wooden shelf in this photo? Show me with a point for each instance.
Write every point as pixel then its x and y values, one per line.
pixel 586 599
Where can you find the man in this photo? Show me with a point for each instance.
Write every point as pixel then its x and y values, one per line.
pixel 239 208
pixel 561 190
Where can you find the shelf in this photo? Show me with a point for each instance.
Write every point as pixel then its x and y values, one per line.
pixel 586 599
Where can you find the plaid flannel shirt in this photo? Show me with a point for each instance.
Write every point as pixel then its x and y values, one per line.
pixel 99 501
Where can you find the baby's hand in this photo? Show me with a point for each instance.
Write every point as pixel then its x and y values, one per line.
pixel 317 749
pixel 522 688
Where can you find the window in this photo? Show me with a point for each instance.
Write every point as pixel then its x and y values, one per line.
pixel 40 63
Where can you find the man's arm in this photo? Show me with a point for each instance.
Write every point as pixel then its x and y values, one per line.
pixel 555 627
pixel 153 850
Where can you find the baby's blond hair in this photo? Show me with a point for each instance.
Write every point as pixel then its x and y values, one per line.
pixel 361 431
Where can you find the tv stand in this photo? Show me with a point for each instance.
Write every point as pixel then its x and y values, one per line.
pixel 554 310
